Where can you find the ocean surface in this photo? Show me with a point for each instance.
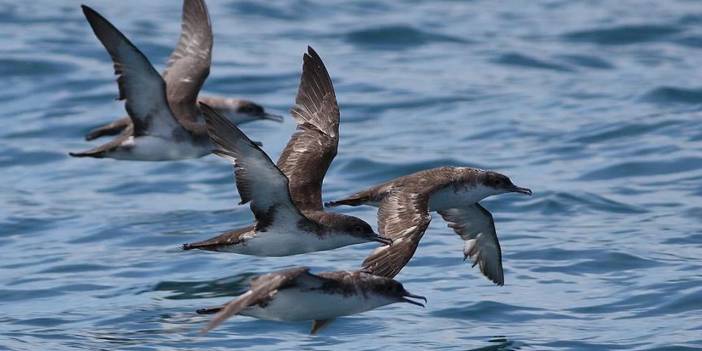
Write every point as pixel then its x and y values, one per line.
pixel 596 106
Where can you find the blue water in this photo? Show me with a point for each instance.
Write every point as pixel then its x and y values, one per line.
pixel 596 106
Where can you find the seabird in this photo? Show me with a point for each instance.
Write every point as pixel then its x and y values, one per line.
pixel 195 26
pixel 164 121
pixel 287 199
pixel 295 294
pixel 404 204
pixel 281 228
pixel 238 111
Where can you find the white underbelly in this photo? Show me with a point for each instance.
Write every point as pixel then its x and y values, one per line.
pixel 295 305
pixel 287 243
pixel 151 148
pixel 450 197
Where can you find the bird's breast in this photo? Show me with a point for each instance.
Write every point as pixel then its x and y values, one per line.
pixel 152 148
pixel 452 197
pixel 275 242
pixel 295 304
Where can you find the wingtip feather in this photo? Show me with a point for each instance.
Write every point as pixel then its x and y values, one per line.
pixel 199 7
pixel 95 19
pixel 87 9
pixel 312 53
pixel 94 154
pixel 223 133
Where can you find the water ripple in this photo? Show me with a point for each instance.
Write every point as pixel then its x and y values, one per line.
pixel 230 286
pixel 644 168
pixel 667 95
pixel 521 60
pixel 601 262
pixel 623 35
pixel 397 37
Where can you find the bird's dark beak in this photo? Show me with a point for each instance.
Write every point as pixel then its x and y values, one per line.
pixel 525 191
pixel 272 117
pixel 405 299
pixel 382 239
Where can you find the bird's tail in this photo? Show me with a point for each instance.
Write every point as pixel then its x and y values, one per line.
pixel 210 310
pixel 225 239
pixel 356 199
pixel 113 128
pixel 89 153
pixel 202 245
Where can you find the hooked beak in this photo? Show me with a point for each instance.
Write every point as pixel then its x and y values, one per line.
pixel 405 299
pixel 525 191
pixel 272 117
pixel 382 239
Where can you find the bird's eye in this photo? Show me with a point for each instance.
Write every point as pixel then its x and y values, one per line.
pixel 358 229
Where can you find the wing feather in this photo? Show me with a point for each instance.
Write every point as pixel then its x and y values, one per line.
pixel 404 218
pixel 258 180
pixel 310 151
pixel 142 88
pixel 189 64
pixel 475 225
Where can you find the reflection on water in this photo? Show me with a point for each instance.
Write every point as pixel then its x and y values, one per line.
pixel 499 343
pixel 230 286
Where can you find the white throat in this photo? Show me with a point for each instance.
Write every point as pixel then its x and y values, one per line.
pixel 451 197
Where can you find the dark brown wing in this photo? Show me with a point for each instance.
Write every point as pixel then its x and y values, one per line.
pixel 139 84
pixel 312 148
pixel 262 289
pixel 189 64
pixel 258 180
pixel 403 217
pixel 476 227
